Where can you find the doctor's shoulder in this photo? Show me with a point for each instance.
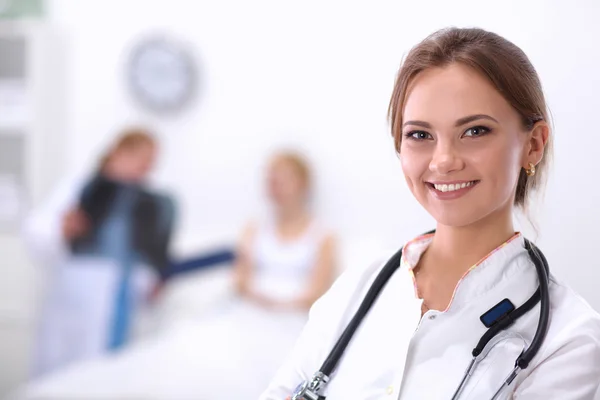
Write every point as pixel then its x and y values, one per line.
pixel 328 317
pixel 569 360
pixel 333 311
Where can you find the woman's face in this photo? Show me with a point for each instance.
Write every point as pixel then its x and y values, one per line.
pixel 463 146
pixel 284 185
pixel 133 165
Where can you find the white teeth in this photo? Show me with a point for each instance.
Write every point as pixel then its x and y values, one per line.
pixel 453 186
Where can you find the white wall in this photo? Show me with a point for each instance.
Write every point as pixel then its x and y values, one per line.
pixel 319 74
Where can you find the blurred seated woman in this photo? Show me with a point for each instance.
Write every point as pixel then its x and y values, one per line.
pixel 103 241
pixel 284 264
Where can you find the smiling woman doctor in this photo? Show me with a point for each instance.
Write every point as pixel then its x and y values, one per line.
pixel 470 123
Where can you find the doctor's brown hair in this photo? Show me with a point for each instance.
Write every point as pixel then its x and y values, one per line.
pixel 503 63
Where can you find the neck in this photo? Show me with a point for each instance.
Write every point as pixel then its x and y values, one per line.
pixel 290 215
pixel 115 175
pixel 455 249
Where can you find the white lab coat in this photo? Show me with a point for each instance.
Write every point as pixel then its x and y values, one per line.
pixel 77 294
pixel 396 354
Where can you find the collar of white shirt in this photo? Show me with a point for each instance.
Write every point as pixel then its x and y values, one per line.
pixel 497 266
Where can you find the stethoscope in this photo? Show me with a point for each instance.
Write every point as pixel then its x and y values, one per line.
pixel 313 389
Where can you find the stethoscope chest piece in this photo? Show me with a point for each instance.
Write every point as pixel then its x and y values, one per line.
pixel 309 390
pixel 302 392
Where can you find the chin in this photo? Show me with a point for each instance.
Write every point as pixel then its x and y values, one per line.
pixel 464 211
pixel 455 222
pixel 457 218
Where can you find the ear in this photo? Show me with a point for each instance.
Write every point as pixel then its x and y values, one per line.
pixel 537 139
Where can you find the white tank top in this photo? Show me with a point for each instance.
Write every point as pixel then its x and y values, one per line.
pixel 283 268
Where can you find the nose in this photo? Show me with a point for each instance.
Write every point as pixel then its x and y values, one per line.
pixel 446 159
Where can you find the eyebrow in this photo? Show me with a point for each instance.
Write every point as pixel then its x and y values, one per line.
pixel 472 118
pixel 459 122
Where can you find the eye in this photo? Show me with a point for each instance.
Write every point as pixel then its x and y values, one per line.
pixel 476 131
pixel 418 135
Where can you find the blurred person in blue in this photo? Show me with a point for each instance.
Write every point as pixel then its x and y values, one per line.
pixel 103 239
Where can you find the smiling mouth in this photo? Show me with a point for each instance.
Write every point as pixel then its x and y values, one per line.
pixel 452 187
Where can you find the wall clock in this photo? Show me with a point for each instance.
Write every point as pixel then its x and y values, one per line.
pixel 162 75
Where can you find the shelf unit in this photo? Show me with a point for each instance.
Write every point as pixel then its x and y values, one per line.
pixel 32 152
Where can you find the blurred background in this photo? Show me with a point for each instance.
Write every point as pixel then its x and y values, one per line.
pixel 223 87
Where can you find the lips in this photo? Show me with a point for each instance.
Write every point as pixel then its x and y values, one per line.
pixel 451 190
pixel 445 187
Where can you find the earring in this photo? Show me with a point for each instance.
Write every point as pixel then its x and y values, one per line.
pixel 531 170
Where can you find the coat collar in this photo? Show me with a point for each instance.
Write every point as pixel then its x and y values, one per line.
pixel 497 266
